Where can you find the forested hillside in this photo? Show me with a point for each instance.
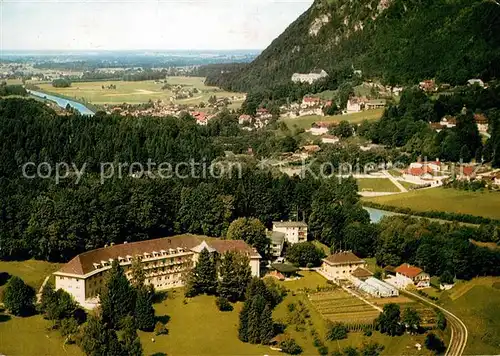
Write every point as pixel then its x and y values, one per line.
pixel 397 41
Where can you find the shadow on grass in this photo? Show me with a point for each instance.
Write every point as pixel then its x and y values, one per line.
pixel 163 318
pixel 4 318
pixel 159 354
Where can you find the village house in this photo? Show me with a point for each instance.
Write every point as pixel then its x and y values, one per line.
pixel 418 172
pixel 428 86
pixel 263 114
pixel 448 121
pixel 329 139
pixel 375 104
pixel 295 231
pixel 355 104
pixel 407 275
pixel 244 119
pixel 309 101
pixel 481 122
pixel 165 261
pixel 340 265
pixel 436 126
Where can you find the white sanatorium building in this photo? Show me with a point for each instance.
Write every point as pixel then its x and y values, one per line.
pixel 165 261
pixel 295 231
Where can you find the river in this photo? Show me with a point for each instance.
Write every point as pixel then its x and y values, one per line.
pixel 376 214
pixel 63 102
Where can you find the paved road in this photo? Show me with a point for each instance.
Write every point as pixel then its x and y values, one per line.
pixel 459 333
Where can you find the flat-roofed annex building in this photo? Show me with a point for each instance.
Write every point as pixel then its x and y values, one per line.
pixel 166 262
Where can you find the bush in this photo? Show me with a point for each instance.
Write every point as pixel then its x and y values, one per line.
pixel 223 304
pixel 18 297
pixel 434 343
pixel 367 331
pixel 160 329
pixel 290 347
pixel 336 331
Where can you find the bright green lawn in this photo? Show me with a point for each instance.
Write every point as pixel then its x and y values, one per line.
pixel 29 337
pixel 199 328
pixel 477 303
pixel 136 92
pixel 407 185
pixel 486 204
pixel 376 185
pixel 305 122
pixel 31 271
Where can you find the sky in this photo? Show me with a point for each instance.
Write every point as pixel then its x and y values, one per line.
pixel 144 24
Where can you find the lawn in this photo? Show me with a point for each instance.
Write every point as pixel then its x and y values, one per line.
pixel 486 204
pixel 407 185
pixel 31 271
pixel 198 328
pixel 30 337
pixel 305 122
pixel 376 185
pixel 137 92
pixel 477 303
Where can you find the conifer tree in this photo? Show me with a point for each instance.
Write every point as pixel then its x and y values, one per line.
pixel 131 344
pixel 138 274
pixel 203 277
pixel 118 297
pixel 254 317
pixel 144 311
pixel 243 328
pixel 99 340
pixel 235 275
pixel 267 325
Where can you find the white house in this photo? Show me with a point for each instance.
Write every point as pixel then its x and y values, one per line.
pixel 295 231
pixel 318 131
pixel 330 139
pixel 355 105
pixel 476 81
pixel 341 265
pixel 166 262
pixel 410 275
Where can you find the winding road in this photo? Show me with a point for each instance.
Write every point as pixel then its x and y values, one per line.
pixel 459 333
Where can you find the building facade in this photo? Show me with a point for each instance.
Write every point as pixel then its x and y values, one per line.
pixel 166 262
pixel 277 242
pixel 295 231
pixel 341 265
pixel 407 275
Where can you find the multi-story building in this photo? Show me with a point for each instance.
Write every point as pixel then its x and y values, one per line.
pixel 340 265
pixel 166 262
pixel 277 241
pixel 295 231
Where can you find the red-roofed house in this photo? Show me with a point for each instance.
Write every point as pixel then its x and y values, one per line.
pixel 309 101
pixel 428 85
pixel 244 118
pixel 481 122
pixel 200 117
pixel 410 275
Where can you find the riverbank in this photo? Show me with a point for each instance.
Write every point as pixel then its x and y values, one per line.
pixel 63 102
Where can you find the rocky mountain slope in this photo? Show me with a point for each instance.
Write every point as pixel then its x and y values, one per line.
pixel 398 41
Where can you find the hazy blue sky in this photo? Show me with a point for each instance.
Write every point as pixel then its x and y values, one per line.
pixel 145 24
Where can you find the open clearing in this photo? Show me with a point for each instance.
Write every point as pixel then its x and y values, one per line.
pixel 486 204
pixel 305 122
pixel 138 92
pixel 477 303
pixel 376 185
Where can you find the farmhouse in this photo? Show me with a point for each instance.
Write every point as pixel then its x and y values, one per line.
pixel 295 231
pixel 481 122
pixel 356 104
pixel 409 275
pixel 165 261
pixel 340 265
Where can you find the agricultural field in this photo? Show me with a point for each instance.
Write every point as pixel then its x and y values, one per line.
pixel 139 91
pixel 305 122
pixel 376 185
pixel 477 303
pixel 486 204
pixel 427 314
pixel 340 306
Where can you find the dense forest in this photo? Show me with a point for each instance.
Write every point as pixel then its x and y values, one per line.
pixel 397 41
pixel 55 219
pixel 40 218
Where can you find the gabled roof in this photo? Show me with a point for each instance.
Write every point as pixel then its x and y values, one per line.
pixel 84 262
pixel 202 246
pixel 289 224
pixel 408 271
pixel 346 257
pixel 361 272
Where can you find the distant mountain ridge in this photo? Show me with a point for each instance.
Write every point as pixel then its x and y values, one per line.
pixel 398 41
